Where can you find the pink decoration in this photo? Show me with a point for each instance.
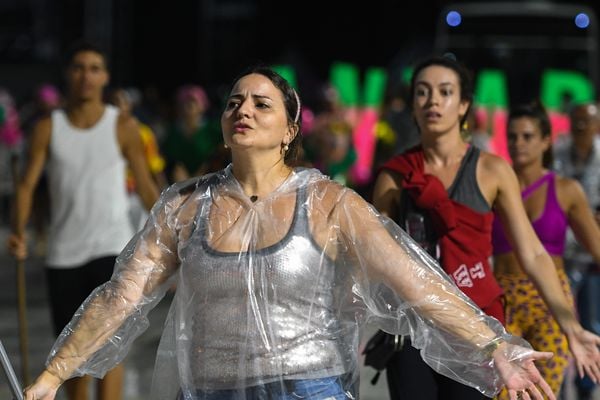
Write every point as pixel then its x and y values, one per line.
pixel 561 124
pixel 364 144
pixel 498 143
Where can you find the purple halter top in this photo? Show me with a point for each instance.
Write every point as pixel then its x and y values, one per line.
pixel 551 226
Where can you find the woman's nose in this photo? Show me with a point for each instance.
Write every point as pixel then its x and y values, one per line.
pixel 244 109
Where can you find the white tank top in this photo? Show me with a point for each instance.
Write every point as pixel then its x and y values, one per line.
pixel 88 198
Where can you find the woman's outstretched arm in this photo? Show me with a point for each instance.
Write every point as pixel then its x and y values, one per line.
pixel 104 327
pixel 455 337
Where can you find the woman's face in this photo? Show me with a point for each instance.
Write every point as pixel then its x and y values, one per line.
pixel 437 105
pixel 525 142
pixel 255 116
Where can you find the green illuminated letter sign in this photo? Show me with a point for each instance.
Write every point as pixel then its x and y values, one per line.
pixel 345 78
pixel 490 89
pixel 556 84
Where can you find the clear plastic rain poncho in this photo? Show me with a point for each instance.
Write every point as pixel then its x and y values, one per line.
pixel 272 292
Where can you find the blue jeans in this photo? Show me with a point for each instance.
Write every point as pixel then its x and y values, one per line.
pixel 330 388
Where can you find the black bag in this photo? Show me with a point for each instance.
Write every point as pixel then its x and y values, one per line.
pixel 379 350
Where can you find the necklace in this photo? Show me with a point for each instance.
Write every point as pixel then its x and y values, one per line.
pixel 254 197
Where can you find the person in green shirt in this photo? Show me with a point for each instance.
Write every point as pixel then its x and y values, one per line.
pixel 193 144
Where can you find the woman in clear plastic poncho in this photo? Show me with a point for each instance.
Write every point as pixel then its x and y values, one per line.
pixel 276 269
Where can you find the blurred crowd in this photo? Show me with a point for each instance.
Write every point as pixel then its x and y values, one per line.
pixel 181 138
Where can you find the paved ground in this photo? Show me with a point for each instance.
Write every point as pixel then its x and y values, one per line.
pixel 138 363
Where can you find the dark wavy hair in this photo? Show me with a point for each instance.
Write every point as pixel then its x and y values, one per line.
pixel 292 106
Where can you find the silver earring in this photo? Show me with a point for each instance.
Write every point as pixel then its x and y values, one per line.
pixel 286 147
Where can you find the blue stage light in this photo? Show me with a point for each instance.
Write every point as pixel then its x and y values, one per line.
pixel 453 18
pixel 582 20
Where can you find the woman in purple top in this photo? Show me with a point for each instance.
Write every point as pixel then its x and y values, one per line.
pixel 553 203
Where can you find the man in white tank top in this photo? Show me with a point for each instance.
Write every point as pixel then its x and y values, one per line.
pixel 86 147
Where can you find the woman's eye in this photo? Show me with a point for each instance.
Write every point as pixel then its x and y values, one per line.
pixel 262 105
pixel 421 92
pixel 232 104
pixel 446 92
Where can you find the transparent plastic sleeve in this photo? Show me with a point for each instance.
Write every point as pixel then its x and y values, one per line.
pixel 276 291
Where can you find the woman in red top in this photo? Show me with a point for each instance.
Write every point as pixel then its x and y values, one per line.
pixel 443 192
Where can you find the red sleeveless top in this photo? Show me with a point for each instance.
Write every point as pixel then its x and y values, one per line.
pixel 465 234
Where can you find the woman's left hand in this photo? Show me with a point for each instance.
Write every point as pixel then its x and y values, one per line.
pixel 515 365
pixel 584 347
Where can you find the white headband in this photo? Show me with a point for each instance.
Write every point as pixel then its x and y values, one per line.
pixel 298 110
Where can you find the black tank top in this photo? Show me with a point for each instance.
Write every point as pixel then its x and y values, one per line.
pixel 464 190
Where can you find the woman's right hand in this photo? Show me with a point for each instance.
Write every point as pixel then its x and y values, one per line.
pixel 44 387
pixel 17 246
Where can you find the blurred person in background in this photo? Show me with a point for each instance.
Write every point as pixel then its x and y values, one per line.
pixel 86 147
pixel 330 145
pixel 396 130
pixel 153 110
pixel 577 156
pixel 553 204
pixel 193 145
pixel 125 100
pixel 11 147
pixel 45 99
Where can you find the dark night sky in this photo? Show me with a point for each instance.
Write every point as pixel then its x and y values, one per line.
pixel 169 43
pixel 308 34
pixel 311 35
